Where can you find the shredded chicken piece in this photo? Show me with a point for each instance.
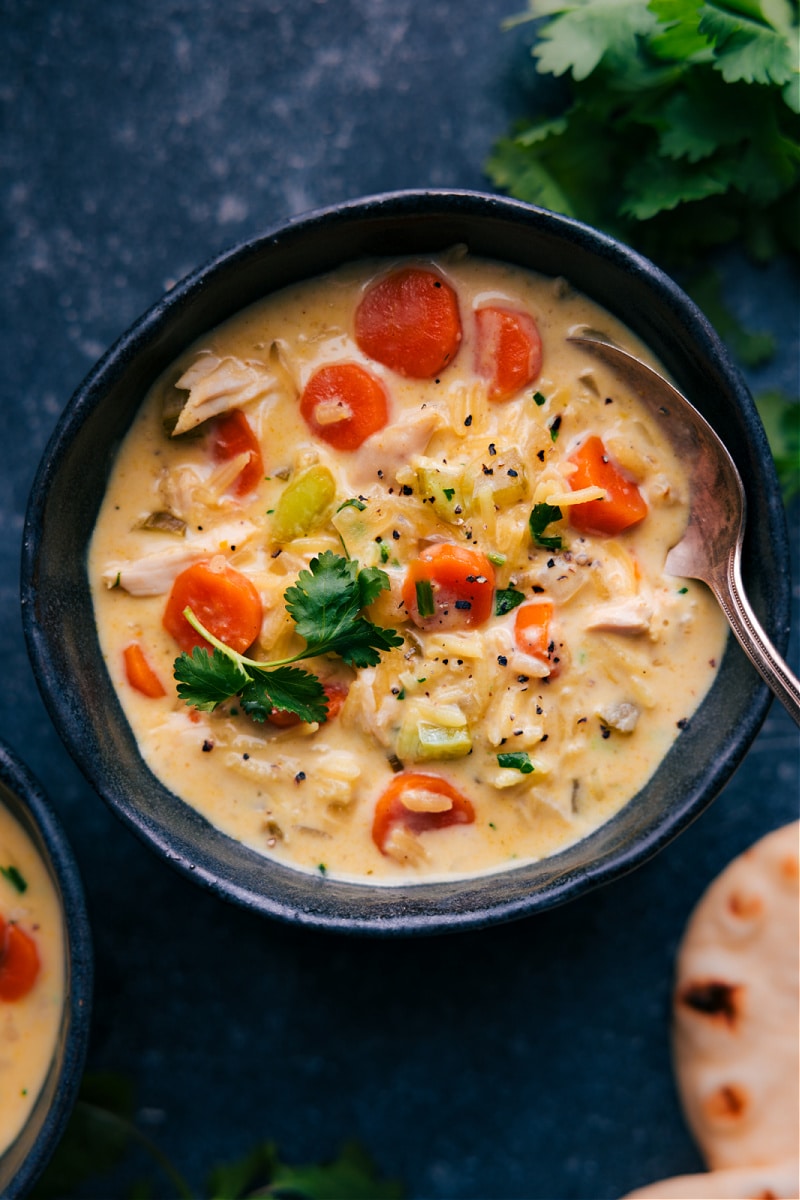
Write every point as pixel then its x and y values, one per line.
pixel 563 580
pixel 390 448
pixel 622 716
pixel 216 385
pixel 154 574
pixel 631 616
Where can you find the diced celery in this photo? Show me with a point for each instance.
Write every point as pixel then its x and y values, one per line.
pixel 444 486
pixel 354 525
pixel 305 504
pixel 423 737
pixel 508 481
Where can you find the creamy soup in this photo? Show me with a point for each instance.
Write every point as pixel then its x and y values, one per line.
pixel 409 458
pixel 31 975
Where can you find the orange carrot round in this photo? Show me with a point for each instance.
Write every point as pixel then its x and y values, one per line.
pixel 224 600
pixel 532 627
pixel 19 962
pixel 624 504
pixel 508 352
pixel 391 812
pixel 343 404
pixel 140 674
pixel 232 435
pixel 409 321
pixel 449 586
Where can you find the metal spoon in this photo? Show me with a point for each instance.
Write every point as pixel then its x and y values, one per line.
pixel 711 547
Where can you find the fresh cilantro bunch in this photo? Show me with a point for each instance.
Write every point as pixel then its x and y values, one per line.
pixel 678 128
pixel 326 604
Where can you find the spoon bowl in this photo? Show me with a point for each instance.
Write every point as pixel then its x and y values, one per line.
pixel 711 547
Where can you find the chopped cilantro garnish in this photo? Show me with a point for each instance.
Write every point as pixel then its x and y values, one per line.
pixel 539 399
pixel 425 603
pixel 353 502
pixel 542 516
pixel 449 492
pixel 326 604
pixel 505 599
pixel 517 760
pixel 15 878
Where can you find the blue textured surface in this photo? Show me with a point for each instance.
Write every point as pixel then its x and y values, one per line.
pixel 529 1061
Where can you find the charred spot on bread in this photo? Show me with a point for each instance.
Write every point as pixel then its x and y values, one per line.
pixel 713 998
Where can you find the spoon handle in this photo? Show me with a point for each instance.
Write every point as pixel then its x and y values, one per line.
pixel 726 584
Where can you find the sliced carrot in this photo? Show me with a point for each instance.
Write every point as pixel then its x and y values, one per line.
pixel 224 600
pixel 141 675
pixel 449 587
pixel 232 435
pixel 532 627
pixel 624 505
pixel 343 404
pixel 19 962
pixel 533 632
pixel 508 350
pixel 391 812
pixel 336 694
pixel 409 321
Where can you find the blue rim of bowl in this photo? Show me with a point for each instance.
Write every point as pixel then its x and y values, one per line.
pixel 411 914
pixel 29 804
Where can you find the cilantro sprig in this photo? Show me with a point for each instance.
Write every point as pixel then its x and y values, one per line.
pixel 326 603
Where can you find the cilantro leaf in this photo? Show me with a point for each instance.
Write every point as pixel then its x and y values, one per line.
pixel 228 1181
pixel 15 878
pixel 517 760
pixel 371 582
pixel 325 604
pixel 349 1177
pixel 287 689
pixel 506 599
pixel 746 49
pixel 542 516
pixel 207 680
pixel 580 37
pixel 325 599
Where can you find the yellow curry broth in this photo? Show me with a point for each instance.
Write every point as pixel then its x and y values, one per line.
pixel 637 650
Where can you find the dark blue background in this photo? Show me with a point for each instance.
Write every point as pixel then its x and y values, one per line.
pixel 528 1061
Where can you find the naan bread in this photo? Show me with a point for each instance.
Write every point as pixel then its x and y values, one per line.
pixel 735 1035
pixel 740 1183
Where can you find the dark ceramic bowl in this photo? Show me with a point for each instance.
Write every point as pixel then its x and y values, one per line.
pixel 69 488
pixel 27 1156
